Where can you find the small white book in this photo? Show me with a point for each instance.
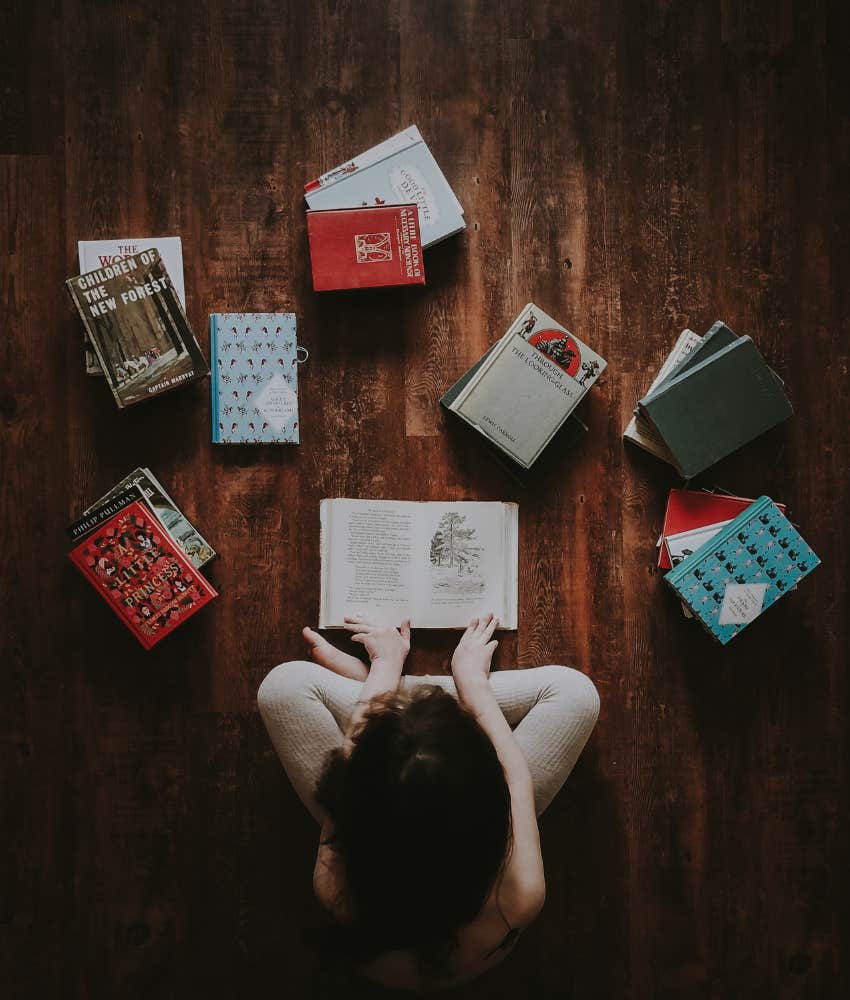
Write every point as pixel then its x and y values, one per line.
pixel 95 254
pixel 437 563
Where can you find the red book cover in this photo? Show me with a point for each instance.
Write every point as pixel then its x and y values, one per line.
pixel 689 509
pixel 137 569
pixel 365 247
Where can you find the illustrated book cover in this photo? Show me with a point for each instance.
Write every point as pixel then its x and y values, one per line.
pixel 399 170
pixel 137 327
pixel 715 404
pixel 365 248
pixel 255 378
pixel 526 385
pixel 95 254
pixel 134 565
pixel 185 535
pixel 744 569
pixel 437 563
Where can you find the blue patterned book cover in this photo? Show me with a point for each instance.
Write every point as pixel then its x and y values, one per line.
pixel 255 378
pixel 742 570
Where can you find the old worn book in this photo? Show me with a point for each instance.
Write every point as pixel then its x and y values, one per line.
pixel 254 379
pixel 526 386
pixel 365 247
pixel 399 170
pixel 716 406
pixel 101 253
pixel 135 566
pixel 437 563
pixel 137 327
pixel 742 570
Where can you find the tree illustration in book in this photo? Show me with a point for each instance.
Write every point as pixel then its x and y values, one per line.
pixel 455 556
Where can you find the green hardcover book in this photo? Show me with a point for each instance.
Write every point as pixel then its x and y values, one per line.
pixel 718 337
pixel 718 405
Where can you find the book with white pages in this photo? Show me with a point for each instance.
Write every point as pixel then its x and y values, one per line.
pixel 437 563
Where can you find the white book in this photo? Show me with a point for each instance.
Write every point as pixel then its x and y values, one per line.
pixel 437 563
pixel 95 254
pixel 639 430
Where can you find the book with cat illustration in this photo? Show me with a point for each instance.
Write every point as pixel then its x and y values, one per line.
pixel 437 563
pixel 744 568
pixel 255 378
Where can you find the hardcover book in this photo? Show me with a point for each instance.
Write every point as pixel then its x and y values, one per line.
pixel 185 535
pixel 365 247
pixel 716 405
pixel 437 563
pixel 255 378
pixel 400 169
pixel 133 563
pixel 526 385
pixel 95 254
pixel 137 327
pixel 744 569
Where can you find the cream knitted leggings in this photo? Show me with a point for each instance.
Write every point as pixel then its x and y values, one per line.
pixel 551 710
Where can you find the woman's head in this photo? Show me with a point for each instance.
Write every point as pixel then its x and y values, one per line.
pixel 421 814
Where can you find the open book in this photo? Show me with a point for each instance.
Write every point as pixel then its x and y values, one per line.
pixel 437 563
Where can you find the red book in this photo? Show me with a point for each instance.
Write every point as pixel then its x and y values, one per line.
pixel 365 247
pixel 141 574
pixel 689 509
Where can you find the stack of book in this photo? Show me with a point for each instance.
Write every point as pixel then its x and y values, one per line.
pixel 371 218
pixel 728 572
pixel 526 387
pixel 143 556
pixel 714 394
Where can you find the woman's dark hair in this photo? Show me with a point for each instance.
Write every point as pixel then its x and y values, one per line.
pixel 421 814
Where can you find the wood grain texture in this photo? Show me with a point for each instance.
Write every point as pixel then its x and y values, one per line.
pixel 632 167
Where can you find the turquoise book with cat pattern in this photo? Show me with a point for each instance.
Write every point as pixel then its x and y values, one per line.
pixel 254 378
pixel 744 569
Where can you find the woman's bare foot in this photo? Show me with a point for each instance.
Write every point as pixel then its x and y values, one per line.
pixel 334 659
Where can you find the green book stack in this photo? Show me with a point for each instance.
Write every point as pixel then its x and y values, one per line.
pixel 718 398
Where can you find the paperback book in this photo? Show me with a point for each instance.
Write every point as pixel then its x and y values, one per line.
pixel 133 563
pixel 526 386
pixel 255 378
pixel 742 570
pixel 437 563
pixel 399 170
pixel 184 534
pixel 95 254
pixel 365 248
pixel 137 327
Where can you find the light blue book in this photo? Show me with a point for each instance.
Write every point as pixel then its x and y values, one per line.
pixel 397 171
pixel 254 378
pixel 747 566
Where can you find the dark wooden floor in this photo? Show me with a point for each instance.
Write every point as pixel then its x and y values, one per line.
pixel 633 168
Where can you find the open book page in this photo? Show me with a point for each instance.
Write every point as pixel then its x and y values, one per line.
pixel 468 555
pixel 439 564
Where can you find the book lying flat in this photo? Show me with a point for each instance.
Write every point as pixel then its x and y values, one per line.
pixel 185 535
pixel 365 247
pixel 524 388
pixel 716 405
pixel 133 563
pixel 438 563
pixel 101 253
pixel 688 510
pixel 254 378
pixel 137 327
pixel 399 170
pixel 744 569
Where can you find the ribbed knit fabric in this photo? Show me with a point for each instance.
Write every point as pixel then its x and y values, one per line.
pixel 552 711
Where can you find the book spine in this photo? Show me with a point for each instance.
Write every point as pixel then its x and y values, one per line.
pixel 719 540
pixel 214 375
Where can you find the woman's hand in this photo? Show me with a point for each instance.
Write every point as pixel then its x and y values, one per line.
pixel 387 646
pixel 474 653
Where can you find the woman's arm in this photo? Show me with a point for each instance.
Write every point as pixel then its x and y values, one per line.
pixel 522 889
